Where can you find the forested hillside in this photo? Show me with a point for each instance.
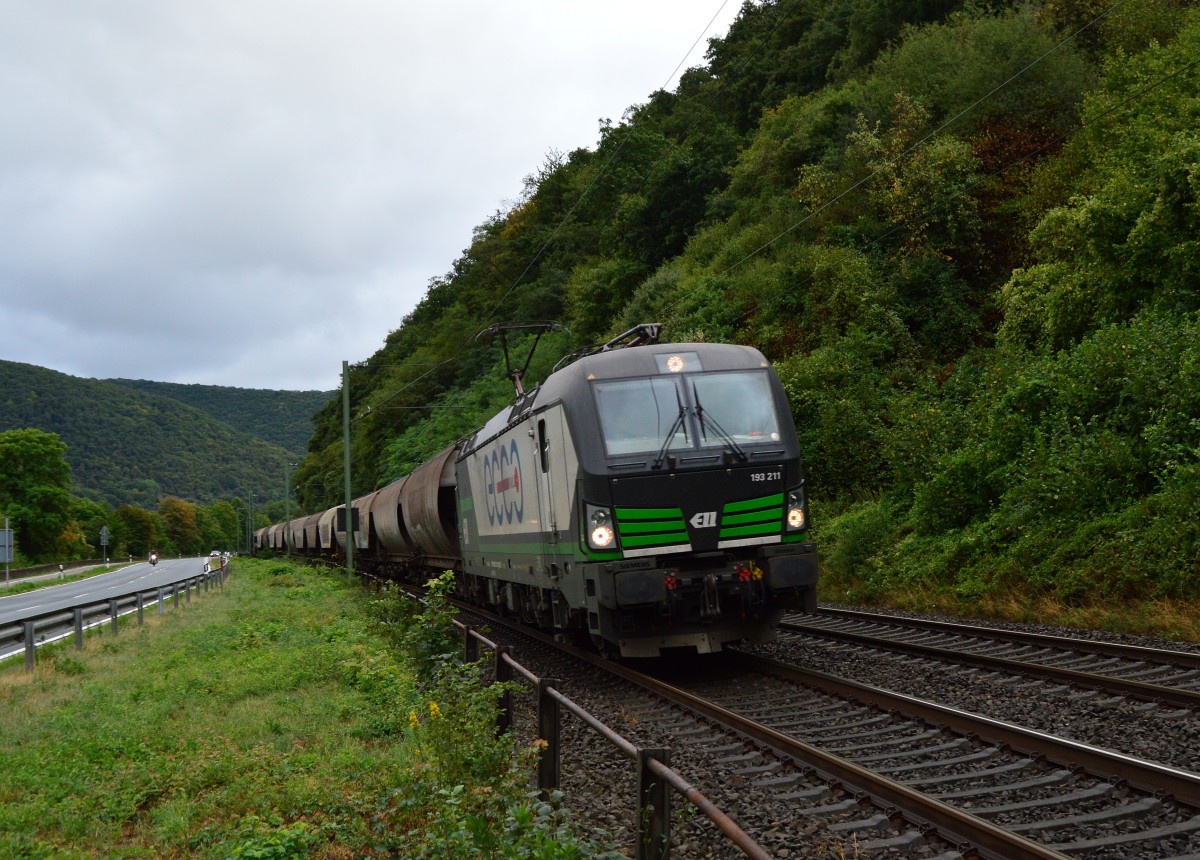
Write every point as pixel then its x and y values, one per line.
pixel 283 418
pixel 966 235
pixel 128 447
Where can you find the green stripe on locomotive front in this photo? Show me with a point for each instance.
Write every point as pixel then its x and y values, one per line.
pixel 771 515
pixel 647 528
pixel 749 531
pixel 759 517
pixel 775 500
pixel 639 528
pixel 661 539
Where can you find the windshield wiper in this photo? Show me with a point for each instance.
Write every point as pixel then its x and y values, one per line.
pixel 712 422
pixel 662 452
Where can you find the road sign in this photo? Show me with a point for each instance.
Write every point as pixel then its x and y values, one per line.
pixel 6 545
pixel 103 535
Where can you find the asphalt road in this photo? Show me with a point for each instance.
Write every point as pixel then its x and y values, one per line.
pixel 134 577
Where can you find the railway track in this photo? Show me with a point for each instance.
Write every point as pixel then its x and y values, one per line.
pixel 1130 698
pixel 1152 674
pixel 1069 798
pixel 812 765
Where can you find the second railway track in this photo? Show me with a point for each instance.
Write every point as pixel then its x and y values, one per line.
pixel 1153 674
pixel 1074 687
pixel 892 776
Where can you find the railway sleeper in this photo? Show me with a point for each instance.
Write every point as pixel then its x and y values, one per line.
pixel 980 755
pixel 1057 777
pixel 950 778
pixel 905 839
pixel 1095 792
pixel 1135 811
pixel 1181 829
pixel 758 769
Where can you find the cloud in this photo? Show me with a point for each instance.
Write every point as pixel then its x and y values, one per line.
pixel 245 192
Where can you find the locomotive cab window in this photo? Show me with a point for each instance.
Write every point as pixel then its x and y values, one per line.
pixel 636 415
pixel 687 411
pixel 738 404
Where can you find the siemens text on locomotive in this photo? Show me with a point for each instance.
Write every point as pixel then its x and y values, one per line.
pixel 646 496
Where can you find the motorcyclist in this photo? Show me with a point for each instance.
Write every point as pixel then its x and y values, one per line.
pixel 154 556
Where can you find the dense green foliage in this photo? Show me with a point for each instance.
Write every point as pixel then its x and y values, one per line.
pixel 34 489
pixel 283 418
pixel 125 446
pixel 179 479
pixel 459 749
pixel 964 233
pixel 49 524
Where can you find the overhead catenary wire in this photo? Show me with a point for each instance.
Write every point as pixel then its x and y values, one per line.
pixel 583 195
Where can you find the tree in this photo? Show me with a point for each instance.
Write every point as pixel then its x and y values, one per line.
pixel 1127 237
pixel 35 493
pixel 219 525
pixel 180 519
pixel 89 518
pixel 141 533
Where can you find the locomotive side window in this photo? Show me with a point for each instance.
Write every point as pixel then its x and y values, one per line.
pixel 543 446
pixel 636 415
pixel 740 404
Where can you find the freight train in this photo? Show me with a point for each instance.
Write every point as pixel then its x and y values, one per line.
pixel 644 497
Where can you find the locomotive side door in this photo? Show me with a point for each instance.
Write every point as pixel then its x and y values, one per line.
pixel 556 466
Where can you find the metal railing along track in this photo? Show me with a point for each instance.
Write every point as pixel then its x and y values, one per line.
pixel 42 628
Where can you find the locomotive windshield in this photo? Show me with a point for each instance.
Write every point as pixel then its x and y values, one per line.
pixel 637 414
pixel 669 413
pixel 740 404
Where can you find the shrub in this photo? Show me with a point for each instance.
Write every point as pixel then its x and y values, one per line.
pixel 465 795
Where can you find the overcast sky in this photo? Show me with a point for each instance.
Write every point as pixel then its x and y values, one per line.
pixel 247 192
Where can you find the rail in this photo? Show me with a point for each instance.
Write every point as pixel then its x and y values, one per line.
pixel 655 777
pixel 46 627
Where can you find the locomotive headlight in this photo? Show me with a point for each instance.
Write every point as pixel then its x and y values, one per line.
pixel 796 517
pixel 601 534
pixel 601 537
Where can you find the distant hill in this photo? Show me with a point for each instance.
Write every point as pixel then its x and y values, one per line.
pixel 283 418
pixel 130 445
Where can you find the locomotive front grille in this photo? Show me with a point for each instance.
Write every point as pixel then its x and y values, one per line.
pixel 752 518
pixel 657 530
pixel 649 531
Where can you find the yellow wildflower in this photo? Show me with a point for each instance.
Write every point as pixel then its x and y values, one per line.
pixel 434 710
pixel 413 722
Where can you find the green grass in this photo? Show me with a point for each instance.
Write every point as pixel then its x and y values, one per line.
pixel 271 719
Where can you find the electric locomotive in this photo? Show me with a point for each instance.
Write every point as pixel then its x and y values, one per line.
pixel 647 496
pixel 644 497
